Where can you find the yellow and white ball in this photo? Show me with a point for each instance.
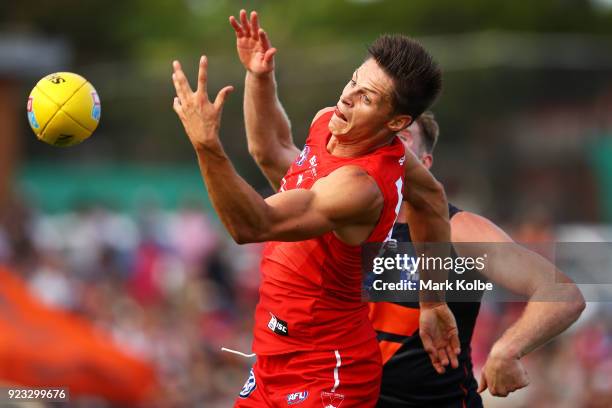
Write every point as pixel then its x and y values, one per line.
pixel 63 109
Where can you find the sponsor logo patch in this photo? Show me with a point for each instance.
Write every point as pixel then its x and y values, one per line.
pixel 278 326
pixel 249 386
pixel 303 155
pixel 297 397
pixel 313 161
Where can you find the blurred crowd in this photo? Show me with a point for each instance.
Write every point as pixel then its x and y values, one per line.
pixel 171 289
pixel 168 286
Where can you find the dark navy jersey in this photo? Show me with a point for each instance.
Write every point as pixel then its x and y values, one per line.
pixel 409 379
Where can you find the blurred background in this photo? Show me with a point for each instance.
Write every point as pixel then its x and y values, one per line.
pixel 115 238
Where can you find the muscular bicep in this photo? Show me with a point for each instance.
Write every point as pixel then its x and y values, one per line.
pixel 343 199
pixel 507 263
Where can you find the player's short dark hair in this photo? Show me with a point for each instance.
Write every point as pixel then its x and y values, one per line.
pixel 416 76
pixel 429 129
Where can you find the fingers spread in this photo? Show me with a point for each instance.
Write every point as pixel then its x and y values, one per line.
pixel 427 343
pixel 255 25
pixel 263 37
pixel 433 354
pixel 455 344
pixel 180 82
pixel 439 368
pixel 222 96
pixel 176 105
pixel 246 27
pixel 269 55
pixel 450 352
pixel 203 75
pixel 443 357
pixel 239 31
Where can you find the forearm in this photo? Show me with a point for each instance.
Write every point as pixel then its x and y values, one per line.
pixel 267 125
pixel 541 321
pixel 426 203
pixel 428 219
pixel 241 209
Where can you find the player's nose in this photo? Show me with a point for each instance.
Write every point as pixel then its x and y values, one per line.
pixel 346 99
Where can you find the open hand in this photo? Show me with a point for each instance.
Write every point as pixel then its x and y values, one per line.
pixel 200 117
pixel 253 45
pixel 440 337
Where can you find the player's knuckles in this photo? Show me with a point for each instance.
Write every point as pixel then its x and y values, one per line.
pixel 494 390
pixel 513 388
pixel 431 351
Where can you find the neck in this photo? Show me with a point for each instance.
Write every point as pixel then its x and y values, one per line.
pixel 344 148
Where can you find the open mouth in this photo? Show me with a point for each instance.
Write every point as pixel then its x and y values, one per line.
pixel 339 114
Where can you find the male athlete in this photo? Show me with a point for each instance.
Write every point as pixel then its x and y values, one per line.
pixel 315 345
pixel 409 380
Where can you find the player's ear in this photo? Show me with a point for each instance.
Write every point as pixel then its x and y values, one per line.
pixel 399 122
pixel 427 160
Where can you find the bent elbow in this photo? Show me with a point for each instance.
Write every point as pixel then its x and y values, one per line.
pixel 241 237
pixel 579 307
pixel 576 304
pixel 248 236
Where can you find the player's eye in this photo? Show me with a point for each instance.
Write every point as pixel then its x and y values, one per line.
pixel 366 100
pixel 353 83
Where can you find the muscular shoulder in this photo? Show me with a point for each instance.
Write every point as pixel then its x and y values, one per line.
pixel 351 191
pixel 321 113
pixel 469 227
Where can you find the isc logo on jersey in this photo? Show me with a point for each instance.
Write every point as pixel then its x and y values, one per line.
pixel 278 326
pixel 297 397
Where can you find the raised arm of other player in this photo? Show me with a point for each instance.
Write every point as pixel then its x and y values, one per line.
pixel 348 201
pixel 427 216
pixel 267 127
pixel 427 204
pixel 524 272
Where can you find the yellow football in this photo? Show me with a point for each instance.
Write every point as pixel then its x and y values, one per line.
pixel 63 109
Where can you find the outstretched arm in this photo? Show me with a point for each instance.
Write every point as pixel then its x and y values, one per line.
pixel 348 197
pixel 267 126
pixel 527 273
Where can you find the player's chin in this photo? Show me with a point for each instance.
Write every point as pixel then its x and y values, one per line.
pixel 338 128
